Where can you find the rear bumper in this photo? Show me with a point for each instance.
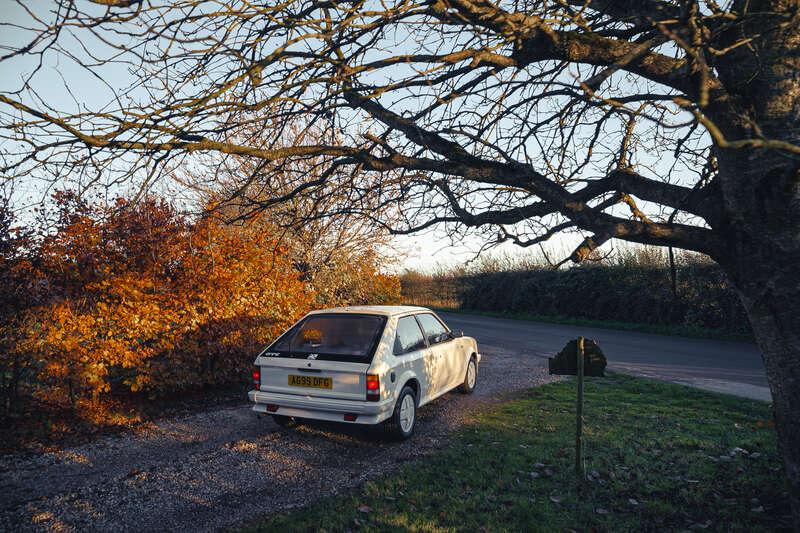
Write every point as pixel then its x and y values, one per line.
pixel 321 408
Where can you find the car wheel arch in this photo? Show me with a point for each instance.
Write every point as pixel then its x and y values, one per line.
pixel 413 382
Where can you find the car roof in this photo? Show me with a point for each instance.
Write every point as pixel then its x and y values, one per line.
pixel 385 310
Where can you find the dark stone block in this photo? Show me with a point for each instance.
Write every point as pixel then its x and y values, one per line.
pixel 566 361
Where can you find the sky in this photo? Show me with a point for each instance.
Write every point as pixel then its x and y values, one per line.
pixel 419 251
pixel 433 250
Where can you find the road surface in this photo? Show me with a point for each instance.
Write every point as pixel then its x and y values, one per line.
pixel 722 366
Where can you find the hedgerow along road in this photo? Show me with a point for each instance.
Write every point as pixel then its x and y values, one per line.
pixel 722 366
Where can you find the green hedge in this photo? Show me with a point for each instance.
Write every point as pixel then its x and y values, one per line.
pixel 634 294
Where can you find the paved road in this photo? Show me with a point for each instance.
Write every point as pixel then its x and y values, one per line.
pixel 723 366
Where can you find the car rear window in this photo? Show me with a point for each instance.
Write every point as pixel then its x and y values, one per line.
pixel 332 337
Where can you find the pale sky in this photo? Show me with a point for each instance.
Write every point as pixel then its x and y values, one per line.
pixel 420 251
pixel 434 249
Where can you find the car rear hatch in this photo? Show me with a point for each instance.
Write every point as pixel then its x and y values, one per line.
pixel 324 379
pixel 324 355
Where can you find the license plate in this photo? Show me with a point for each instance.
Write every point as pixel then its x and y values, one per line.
pixel 313 382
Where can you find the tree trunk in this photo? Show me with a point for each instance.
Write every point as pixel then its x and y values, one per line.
pixel 773 306
pixel 762 210
pixel 760 218
pixel 763 262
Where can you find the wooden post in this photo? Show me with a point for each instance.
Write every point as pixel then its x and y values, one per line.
pixel 579 410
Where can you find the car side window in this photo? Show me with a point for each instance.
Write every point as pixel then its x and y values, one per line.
pixel 433 328
pixel 409 337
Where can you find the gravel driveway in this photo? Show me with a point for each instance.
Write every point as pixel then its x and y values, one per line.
pixel 227 467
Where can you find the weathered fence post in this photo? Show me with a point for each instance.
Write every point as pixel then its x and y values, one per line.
pixel 579 410
pixel 562 364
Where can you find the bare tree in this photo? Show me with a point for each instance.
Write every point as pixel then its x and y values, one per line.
pixel 336 235
pixel 666 122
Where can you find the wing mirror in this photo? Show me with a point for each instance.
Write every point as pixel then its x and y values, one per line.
pixel 456 334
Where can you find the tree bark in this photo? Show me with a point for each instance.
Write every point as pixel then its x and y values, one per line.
pixel 773 307
pixel 762 197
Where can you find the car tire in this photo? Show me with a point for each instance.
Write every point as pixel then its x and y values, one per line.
pixel 470 377
pixel 286 421
pixel 404 419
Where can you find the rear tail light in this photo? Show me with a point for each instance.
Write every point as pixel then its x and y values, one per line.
pixel 373 388
pixel 257 377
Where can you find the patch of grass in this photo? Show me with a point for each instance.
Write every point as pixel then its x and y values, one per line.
pixel 658 457
pixel 682 331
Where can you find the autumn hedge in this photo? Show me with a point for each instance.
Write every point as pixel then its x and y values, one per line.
pixel 137 299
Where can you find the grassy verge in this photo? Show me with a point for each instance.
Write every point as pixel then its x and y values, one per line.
pixel 682 331
pixel 658 456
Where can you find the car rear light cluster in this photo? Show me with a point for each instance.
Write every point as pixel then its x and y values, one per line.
pixel 373 388
pixel 257 377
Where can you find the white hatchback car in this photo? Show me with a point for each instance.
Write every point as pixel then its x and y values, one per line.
pixel 363 365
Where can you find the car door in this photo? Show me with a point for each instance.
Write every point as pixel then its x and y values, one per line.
pixel 456 354
pixel 411 352
pixel 443 360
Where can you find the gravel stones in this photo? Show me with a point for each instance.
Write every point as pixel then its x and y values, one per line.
pixel 226 467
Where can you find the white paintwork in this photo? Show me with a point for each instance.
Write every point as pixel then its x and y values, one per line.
pixel 437 369
pixel 383 310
